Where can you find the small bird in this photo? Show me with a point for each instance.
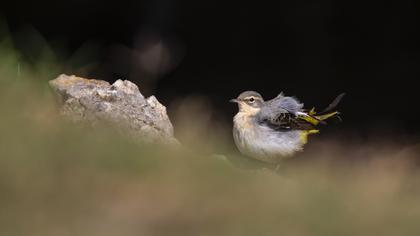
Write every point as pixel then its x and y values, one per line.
pixel 272 130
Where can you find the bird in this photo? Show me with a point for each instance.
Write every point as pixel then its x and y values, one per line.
pixel 271 131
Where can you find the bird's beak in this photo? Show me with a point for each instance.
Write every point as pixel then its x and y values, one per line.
pixel 234 100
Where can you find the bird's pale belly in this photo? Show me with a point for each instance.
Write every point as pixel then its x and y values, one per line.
pixel 265 144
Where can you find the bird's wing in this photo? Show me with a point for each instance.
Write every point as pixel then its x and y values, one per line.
pixel 284 113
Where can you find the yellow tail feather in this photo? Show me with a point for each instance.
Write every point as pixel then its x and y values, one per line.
pixel 314 119
pixel 310 119
pixel 326 116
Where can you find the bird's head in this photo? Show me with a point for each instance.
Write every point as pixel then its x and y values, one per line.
pixel 249 102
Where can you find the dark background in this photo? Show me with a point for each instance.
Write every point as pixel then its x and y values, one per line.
pixel 313 50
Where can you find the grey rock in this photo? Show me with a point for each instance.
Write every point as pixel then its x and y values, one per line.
pixel 121 104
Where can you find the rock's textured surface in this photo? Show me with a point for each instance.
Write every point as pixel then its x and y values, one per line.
pixel 120 103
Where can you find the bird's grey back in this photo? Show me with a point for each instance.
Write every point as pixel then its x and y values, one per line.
pixel 279 104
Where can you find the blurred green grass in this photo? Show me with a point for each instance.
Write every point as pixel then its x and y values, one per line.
pixel 61 178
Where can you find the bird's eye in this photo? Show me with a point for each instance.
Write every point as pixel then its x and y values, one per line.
pixel 251 100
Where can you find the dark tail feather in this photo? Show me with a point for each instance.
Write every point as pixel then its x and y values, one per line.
pixel 333 104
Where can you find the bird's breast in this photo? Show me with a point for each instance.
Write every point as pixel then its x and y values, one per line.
pixel 261 142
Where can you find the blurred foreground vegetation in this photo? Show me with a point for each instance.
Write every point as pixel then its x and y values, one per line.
pixel 60 178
